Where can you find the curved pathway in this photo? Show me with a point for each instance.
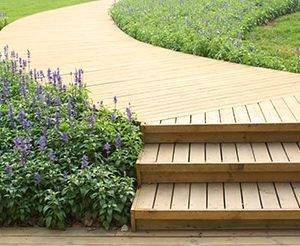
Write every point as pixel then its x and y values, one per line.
pixel 158 83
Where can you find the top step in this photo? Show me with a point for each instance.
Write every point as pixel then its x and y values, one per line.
pixel 210 133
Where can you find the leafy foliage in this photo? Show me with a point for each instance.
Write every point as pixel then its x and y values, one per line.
pixel 3 20
pixel 62 159
pixel 219 29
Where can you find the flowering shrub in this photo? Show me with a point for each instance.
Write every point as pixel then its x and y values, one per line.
pixel 3 20
pixel 62 159
pixel 219 29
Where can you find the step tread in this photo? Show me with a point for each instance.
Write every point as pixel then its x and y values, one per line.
pixel 222 197
pixel 220 153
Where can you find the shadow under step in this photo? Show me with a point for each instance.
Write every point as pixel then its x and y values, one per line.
pixel 219 162
pixel 216 205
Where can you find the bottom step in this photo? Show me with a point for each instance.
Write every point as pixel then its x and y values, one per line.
pixel 216 205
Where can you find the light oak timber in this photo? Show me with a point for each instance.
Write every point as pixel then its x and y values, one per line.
pixel 264 132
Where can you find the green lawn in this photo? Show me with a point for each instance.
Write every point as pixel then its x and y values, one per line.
pixel 221 29
pixel 281 36
pixel 16 9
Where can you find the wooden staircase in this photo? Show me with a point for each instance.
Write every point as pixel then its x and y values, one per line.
pixel 218 176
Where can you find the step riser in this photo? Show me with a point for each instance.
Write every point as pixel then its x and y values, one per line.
pixel 224 137
pixel 152 178
pixel 221 133
pixel 143 225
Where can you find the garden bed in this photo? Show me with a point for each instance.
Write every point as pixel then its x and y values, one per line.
pixel 62 158
pixel 217 29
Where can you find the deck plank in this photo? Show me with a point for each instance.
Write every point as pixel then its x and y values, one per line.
pixel 165 153
pixel 181 197
pixel 215 196
pixel 255 113
pixel 283 110
pixel 286 196
pixel 269 112
pixel 250 194
pixel 229 153
pixel 261 153
pixel 150 153
pixel 268 196
pixel 233 199
pixel 197 153
pixel 146 196
pixel 277 152
pixel 181 153
pixel 198 196
pixel 213 152
pixel 163 197
pixel 226 115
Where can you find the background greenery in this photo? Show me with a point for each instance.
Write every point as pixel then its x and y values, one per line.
pixel 219 29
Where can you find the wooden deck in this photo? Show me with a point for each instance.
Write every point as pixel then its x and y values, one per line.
pixel 244 172
pixel 84 237
pixel 235 167
pixel 158 83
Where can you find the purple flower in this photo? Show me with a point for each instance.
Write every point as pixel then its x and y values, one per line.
pixel 37 177
pixel 84 162
pixel 113 117
pixel 66 174
pixel 9 171
pixel 129 114
pixel 48 122
pixel 21 115
pixel 118 142
pixel 23 90
pixel 115 99
pixel 57 101
pixel 22 144
pixel 57 119
pixel 38 113
pixel 48 99
pixel 40 91
pixel 51 155
pixel 11 115
pixel 100 104
pixel 107 148
pixel 92 120
pixel 63 88
pixel 28 55
pixel 65 137
pixel 42 142
pixel 85 105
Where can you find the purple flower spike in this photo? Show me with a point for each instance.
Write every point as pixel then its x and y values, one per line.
pixel 113 117
pixel 85 162
pixel 65 137
pixel 9 171
pixel 42 143
pixel 129 114
pixel 118 142
pixel 37 177
pixel 92 120
pixel 21 116
pixel 107 148
pixel 115 99
pixel 51 155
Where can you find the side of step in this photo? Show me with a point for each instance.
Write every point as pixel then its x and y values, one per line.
pixel 216 205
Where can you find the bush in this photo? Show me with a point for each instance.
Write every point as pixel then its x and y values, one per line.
pixel 62 159
pixel 3 20
pixel 218 29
